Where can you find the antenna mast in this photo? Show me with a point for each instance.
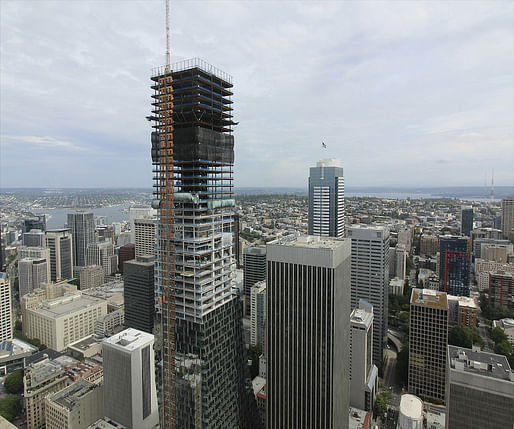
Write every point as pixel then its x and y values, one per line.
pixel 167 36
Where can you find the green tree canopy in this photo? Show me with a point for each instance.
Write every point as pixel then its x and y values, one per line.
pixel 380 406
pixel 465 336
pixel 498 335
pixel 14 382
pixel 10 407
pixel 503 348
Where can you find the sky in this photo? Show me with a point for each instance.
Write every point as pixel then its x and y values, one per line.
pixel 403 93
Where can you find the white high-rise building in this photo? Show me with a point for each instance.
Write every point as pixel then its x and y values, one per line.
pixel 326 199
pixel 6 324
pixel 36 253
pixel 145 232
pixel 258 314
pixel 139 213
pixel 102 254
pixel 60 243
pixel 31 273
pixel 308 328
pixel 130 395
pixel 363 373
pixel 370 278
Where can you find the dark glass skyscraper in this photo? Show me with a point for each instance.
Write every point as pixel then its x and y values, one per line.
pixel 82 227
pixel 205 374
pixel 466 220
pixel 454 265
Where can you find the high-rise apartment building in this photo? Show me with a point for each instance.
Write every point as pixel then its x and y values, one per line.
pixel 254 270
pixel 479 390
pixel 326 199
pixel 138 293
pixel 370 278
pixel 466 220
pixel 144 233
pixel 138 212
pixel 82 227
pixel 60 243
pixel 508 218
pixel 429 244
pixel 6 324
pixel 428 338
pixel 31 273
pixel 400 262
pixel 193 157
pixel 501 289
pixel 36 253
pixel 308 327
pixel 258 314
pixel 33 238
pixel 363 373
pixel 130 395
pixel 454 265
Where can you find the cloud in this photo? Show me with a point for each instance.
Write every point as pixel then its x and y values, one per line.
pixel 35 142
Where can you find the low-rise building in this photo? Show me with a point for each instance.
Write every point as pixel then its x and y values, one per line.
pixel 91 276
pixel 396 286
pixel 508 326
pixel 74 407
pixel 110 323
pixel 62 321
pixel 479 390
pixel 13 353
pixel 462 311
pixel 86 347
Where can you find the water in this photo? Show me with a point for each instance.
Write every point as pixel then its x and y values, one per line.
pixel 56 218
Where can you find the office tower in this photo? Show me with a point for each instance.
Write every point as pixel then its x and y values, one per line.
pixel 31 273
pixel 33 238
pixel 145 231
pixel 126 253
pixel 454 265
pixel 326 199
pixel 102 253
pixel 258 314
pixel 193 156
pixel 481 244
pixel 36 222
pixel 308 326
pixel 370 278
pixel 75 407
pixel 139 293
pixel 61 321
pixel 480 390
pixel 6 325
pixel 36 253
pixel 466 220
pixel 130 396
pixel 429 244
pixel 2 251
pixel 508 218
pixel 91 276
pixel 428 338
pixel 405 237
pixel 501 289
pixel 363 373
pixel 82 227
pixel 254 270
pixel 60 243
pixel 138 212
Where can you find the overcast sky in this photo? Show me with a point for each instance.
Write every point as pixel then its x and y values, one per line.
pixel 404 93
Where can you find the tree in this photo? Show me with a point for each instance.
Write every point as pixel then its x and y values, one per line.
pixel 380 406
pixel 254 352
pixel 498 335
pixel 14 382
pixel 10 407
pixel 458 336
pixel 503 348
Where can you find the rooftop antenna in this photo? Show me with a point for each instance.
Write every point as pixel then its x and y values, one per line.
pixel 492 188
pixel 167 36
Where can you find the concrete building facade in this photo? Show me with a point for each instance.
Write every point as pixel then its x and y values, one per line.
pixel 82 227
pixel 370 278
pixel 60 243
pixel 254 261
pixel 479 390
pixel 130 395
pixel 6 322
pixel 91 276
pixel 508 218
pixel 31 273
pixel 145 231
pixel 258 315
pixel 308 328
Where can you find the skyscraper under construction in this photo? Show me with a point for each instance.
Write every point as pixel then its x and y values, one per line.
pixel 206 382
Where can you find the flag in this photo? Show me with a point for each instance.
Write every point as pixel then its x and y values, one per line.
pixel 324 145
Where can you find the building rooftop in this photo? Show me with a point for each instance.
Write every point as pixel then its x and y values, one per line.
pixel 70 396
pixel 69 303
pixel 411 406
pixel 429 298
pixel 362 314
pixel 480 363
pixel 130 339
pixel 106 423
pixel 464 301
pixel 309 241
pixel 15 347
pixel 358 418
